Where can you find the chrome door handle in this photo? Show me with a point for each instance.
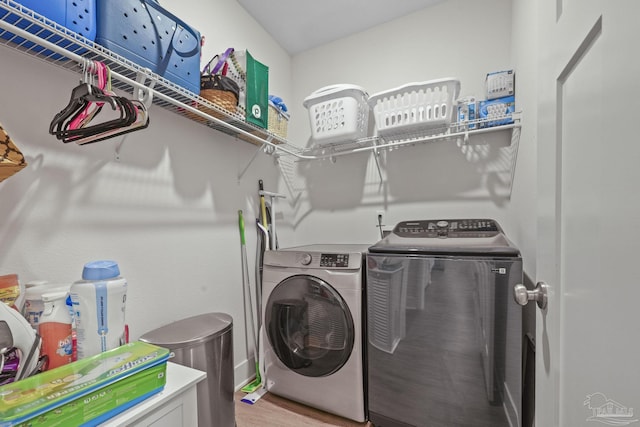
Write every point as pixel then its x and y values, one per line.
pixel 539 294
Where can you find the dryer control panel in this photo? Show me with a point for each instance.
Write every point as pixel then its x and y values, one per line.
pixel 320 256
pixel 334 260
pixel 450 228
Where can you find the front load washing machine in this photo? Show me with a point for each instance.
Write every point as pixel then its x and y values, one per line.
pixel 312 299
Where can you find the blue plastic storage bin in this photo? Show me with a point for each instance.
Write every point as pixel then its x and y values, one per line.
pixel 145 33
pixel 78 16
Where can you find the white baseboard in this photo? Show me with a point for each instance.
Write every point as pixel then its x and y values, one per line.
pixel 244 372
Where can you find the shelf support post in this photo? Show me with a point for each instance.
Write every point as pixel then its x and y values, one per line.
pixel 515 145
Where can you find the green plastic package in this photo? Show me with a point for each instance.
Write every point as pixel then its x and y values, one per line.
pixel 257 102
pixel 86 392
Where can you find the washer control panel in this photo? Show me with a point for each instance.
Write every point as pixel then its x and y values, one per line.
pixel 334 260
pixel 450 228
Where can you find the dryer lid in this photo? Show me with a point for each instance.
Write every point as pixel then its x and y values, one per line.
pixel 447 237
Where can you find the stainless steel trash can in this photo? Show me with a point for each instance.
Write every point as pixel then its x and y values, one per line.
pixel 204 342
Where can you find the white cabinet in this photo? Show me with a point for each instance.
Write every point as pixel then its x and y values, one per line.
pixel 175 406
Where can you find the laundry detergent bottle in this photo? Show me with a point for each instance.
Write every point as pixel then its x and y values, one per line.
pixel 55 329
pixel 99 308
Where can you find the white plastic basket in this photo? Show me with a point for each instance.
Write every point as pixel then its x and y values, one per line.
pixel 338 113
pixel 415 108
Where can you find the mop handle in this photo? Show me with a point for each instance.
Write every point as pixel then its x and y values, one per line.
pixel 245 275
pixel 241 224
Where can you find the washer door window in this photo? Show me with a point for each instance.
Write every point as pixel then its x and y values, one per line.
pixel 309 326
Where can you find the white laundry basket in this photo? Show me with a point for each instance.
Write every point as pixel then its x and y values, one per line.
pixel 415 108
pixel 338 113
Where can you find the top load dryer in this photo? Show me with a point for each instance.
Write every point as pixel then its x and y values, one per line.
pixel 444 333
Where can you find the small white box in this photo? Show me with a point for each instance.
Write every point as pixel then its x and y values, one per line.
pixel 500 84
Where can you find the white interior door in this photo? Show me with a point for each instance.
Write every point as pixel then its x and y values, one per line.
pixel 588 338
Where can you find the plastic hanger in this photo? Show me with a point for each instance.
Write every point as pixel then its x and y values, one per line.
pixel 141 122
pixel 100 70
pixel 84 121
pixel 126 116
pixel 81 95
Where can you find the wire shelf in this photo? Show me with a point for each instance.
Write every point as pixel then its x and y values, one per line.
pixel 23 30
pixel 26 31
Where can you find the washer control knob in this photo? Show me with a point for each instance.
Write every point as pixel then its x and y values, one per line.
pixel 305 259
pixel 442 224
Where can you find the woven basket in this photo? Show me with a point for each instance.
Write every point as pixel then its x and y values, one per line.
pixel 277 125
pixel 224 99
pixel 278 122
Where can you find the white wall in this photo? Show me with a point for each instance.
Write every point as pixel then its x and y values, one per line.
pixel 459 38
pixel 166 211
pixel 523 207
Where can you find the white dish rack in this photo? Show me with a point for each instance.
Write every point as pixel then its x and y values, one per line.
pixel 415 109
pixel 338 114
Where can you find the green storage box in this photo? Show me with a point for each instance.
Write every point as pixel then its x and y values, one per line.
pixel 87 392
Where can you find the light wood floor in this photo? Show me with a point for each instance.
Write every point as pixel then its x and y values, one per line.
pixel 275 411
